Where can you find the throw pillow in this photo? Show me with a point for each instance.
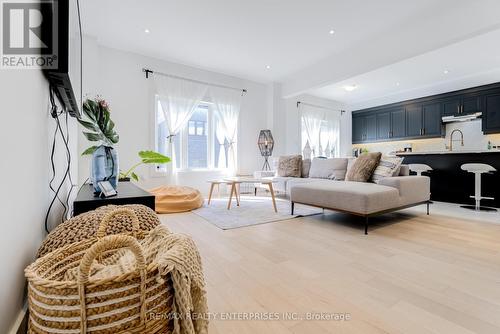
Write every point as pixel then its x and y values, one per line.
pixel 334 168
pixel 290 166
pixel 306 166
pixel 387 166
pixel 363 167
pixel 350 162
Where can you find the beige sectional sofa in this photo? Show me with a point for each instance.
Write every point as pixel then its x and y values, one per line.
pixel 364 199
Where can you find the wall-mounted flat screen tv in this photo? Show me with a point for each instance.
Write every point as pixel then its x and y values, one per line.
pixel 66 79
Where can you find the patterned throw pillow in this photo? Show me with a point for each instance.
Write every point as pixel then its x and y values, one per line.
pixel 290 166
pixel 386 167
pixel 363 167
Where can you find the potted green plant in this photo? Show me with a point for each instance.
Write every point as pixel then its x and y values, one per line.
pixel 147 157
pixel 100 129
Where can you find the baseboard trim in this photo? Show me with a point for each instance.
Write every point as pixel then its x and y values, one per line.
pixel 20 326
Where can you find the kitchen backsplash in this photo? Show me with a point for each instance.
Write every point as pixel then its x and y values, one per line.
pixel 474 139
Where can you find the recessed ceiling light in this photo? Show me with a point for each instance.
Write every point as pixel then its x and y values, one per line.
pixel 146 31
pixel 397 83
pixel 350 88
pixel 331 32
pixel 446 71
pixel 268 67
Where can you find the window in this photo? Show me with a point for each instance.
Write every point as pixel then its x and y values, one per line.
pixel 325 141
pixel 198 145
pixel 197 141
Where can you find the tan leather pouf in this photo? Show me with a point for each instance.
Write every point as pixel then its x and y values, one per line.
pixel 171 199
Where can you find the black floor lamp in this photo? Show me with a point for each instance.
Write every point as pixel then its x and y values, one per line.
pixel 266 145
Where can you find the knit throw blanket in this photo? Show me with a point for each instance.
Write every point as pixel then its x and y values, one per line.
pixel 177 255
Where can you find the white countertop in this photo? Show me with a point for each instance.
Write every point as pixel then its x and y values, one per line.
pixel 448 152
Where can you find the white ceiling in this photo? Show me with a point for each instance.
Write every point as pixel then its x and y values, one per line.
pixel 472 62
pixel 292 36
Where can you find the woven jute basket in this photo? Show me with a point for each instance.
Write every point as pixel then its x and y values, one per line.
pixel 85 226
pixel 123 301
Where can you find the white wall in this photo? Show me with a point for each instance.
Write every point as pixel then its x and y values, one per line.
pixel 26 132
pixel 117 76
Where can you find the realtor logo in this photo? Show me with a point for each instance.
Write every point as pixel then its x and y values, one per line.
pixel 29 35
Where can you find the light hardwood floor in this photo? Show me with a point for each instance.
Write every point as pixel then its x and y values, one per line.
pixel 412 274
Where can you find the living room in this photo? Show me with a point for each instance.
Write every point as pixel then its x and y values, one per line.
pixel 284 166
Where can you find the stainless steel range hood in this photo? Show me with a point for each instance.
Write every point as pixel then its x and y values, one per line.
pixel 464 118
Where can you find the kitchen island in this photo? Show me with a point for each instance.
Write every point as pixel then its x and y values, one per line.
pixel 449 183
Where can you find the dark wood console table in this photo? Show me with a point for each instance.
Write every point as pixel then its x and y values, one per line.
pixel 128 193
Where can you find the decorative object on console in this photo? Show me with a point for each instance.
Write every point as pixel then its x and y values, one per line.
pixel 364 166
pixel 290 165
pixel 101 130
pixel 147 157
pixel 266 146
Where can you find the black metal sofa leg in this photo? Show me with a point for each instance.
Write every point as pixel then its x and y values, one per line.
pixel 366 225
pixel 292 207
pixel 428 204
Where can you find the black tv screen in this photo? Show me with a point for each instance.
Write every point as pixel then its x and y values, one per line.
pixel 66 78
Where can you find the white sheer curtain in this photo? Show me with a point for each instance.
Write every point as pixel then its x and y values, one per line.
pixel 321 129
pixel 329 136
pixel 227 104
pixel 311 119
pixel 220 133
pixel 333 129
pixel 179 99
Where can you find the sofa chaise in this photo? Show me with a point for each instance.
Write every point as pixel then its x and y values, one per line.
pixel 364 199
pixel 367 199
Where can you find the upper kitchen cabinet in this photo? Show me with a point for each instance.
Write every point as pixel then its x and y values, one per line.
pixel 364 128
pixel 491 112
pixel 384 125
pixel 422 117
pixel 398 123
pixel 431 116
pixel 451 107
pixel 471 104
pixel 424 120
pixel 462 105
pixel 414 121
pixel 358 132
pixel 371 127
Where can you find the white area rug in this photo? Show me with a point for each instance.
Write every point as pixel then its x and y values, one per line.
pixel 252 211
